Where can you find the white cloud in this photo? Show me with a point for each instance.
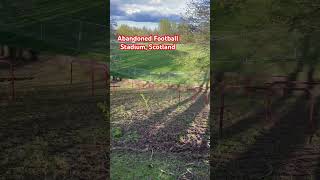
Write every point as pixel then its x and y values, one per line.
pixel 155 2
pixel 137 8
pixel 154 8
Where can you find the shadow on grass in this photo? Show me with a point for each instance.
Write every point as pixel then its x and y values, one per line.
pixel 317 171
pixel 36 134
pixel 178 126
pixel 317 113
pixel 154 118
pixel 286 137
pixel 246 123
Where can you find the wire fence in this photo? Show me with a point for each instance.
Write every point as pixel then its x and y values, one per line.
pixel 157 77
pixel 72 77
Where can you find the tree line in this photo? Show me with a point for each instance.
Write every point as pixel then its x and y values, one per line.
pixel 165 27
pixel 266 30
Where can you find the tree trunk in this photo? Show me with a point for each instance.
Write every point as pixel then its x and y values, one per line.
pixel 12 54
pixel 34 55
pixel 19 54
pixel 218 78
pixel 1 50
pixel 5 50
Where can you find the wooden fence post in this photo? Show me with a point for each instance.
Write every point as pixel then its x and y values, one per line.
pixel 92 79
pixel 221 111
pixel 179 93
pixel 311 118
pixel 12 82
pixel 71 72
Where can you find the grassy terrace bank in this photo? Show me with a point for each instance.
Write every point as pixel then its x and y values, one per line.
pixel 158 65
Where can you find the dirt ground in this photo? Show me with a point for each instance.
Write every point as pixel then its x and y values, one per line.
pixel 53 129
pixel 156 120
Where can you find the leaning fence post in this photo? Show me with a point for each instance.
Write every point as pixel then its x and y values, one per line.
pixel 71 72
pixel 106 77
pixel 41 31
pixel 179 93
pixel 12 82
pixel 269 105
pixel 311 119
pixel 207 98
pixel 266 105
pixel 221 110
pixel 92 79
pixel 195 94
pixel 268 110
pixel 80 35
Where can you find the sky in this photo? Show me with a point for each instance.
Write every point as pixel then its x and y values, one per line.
pixel 139 13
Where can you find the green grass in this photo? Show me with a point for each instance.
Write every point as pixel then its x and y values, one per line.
pixel 148 166
pixel 157 66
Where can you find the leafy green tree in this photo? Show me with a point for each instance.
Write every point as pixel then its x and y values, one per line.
pixel 198 18
pixel 184 30
pixel 113 25
pixel 124 29
pixel 197 22
pixel 133 31
pixel 303 19
pixel 244 31
pixel 165 26
pixel 174 28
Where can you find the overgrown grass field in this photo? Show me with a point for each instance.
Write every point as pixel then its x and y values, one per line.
pixel 158 65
